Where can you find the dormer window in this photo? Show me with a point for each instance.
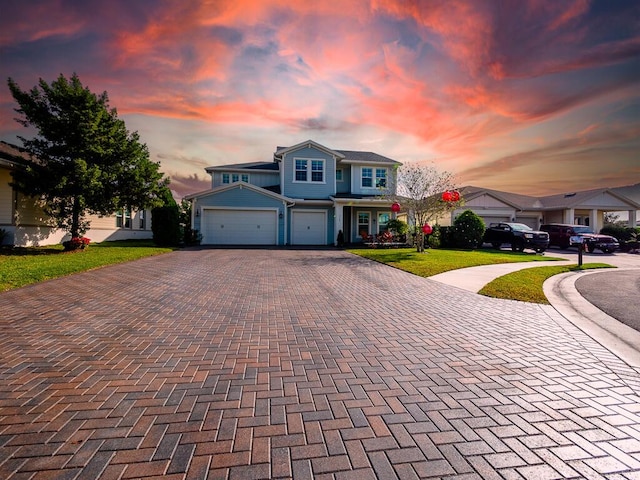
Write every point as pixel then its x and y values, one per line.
pixel 309 170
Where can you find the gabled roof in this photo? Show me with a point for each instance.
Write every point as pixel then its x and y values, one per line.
pixel 231 186
pixel 514 200
pixel 552 202
pixel 280 151
pixel 572 199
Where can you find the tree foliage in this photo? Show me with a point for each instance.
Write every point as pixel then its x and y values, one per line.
pixel 85 160
pixel 419 191
pixel 468 230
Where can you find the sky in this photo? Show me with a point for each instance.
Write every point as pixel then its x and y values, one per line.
pixel 533 97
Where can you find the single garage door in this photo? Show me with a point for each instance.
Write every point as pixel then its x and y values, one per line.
pixel 239 227
pixel 308 228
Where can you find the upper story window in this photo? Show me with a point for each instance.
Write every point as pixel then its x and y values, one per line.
pixel 368 177
pixel 235 177
pixel 142 219
pixel 309 170
pixel 339 175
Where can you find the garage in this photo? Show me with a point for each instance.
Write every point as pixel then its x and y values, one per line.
pixel 239 227
pixel 308 227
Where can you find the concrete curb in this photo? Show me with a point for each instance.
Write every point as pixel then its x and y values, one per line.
pixel 617 337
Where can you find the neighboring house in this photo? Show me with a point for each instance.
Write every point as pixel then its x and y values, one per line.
pixel 306 195
pixel 24 220
pixel 582 208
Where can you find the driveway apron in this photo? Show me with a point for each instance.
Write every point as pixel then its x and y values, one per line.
pixel 301 364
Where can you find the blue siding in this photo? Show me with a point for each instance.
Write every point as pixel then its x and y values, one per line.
pixel 243 197
pixel 345 185
pixel 309 190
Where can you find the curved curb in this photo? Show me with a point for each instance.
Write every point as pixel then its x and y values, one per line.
pixel 617 337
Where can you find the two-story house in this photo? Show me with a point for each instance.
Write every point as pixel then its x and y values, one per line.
pixel 306 195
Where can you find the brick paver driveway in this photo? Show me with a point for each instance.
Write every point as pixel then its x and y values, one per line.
pixel 275 363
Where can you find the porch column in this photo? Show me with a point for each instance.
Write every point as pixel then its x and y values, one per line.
pixel 338 220
pixel 569 215
pixel 633 219
pixel 593 221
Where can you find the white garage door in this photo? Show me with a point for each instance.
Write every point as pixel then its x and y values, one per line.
pixel 239 227
pixel 308 228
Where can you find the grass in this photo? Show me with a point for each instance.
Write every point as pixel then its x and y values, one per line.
pixel 439 260
pixel 526 285
pixel 24 266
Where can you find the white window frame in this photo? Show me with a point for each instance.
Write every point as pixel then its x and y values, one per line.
pixel 362 177
pixel 368 213
pixel 378 178
pixel 234 177
pixel 309 170
pixel 379 226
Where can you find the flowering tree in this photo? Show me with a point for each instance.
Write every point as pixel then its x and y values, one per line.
pixel 420 191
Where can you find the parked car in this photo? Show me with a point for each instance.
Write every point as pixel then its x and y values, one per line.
pixel 566 235
pixel 518 235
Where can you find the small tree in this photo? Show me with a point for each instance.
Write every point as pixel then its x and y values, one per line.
pixel 85 160
pixel 419 190
pixel 468 230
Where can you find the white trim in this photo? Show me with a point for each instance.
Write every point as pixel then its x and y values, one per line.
pixel 358 212
pixel 308 144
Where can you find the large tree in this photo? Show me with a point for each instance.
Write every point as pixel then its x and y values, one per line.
pixel 85 159
pixel 419 191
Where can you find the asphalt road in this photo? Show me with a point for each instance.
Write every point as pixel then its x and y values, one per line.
pixel 617 293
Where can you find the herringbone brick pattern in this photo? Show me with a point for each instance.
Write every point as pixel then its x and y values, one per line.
pixel 240 364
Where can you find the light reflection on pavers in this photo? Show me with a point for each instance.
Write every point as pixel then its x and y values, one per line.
pixel 304 364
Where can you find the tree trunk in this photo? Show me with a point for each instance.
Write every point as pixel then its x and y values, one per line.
pixel 75 218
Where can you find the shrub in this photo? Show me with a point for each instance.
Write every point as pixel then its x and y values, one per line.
pixel 468 230
pixel 447 237
pixel 398 226
pixel 623 234
pixel 165 225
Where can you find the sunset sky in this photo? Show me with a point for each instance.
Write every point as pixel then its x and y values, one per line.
pixel 534 97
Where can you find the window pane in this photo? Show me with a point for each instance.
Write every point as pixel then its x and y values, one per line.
pixel 317 171
pixel 339 175
pixel 245 178
pixel 383 220
pixel 225 178
pixel 301 170
pixel 235 177
pixel 367 177
pixel 381 177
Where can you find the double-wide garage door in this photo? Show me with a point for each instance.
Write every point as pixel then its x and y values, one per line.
pixel 239 227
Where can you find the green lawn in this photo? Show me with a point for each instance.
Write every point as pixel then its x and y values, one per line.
pixel 526 285
pixel 435 261
pixel 23 266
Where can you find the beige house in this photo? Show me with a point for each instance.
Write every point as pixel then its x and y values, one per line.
pixel 582 208
pixel 25 223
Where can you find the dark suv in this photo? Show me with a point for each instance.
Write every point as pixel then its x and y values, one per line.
pixel 561 234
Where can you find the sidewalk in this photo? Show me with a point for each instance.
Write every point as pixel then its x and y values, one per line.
pixel 561 292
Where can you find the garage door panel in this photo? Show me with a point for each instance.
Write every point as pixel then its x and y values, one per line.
pixel 239 227
pixel 308 228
